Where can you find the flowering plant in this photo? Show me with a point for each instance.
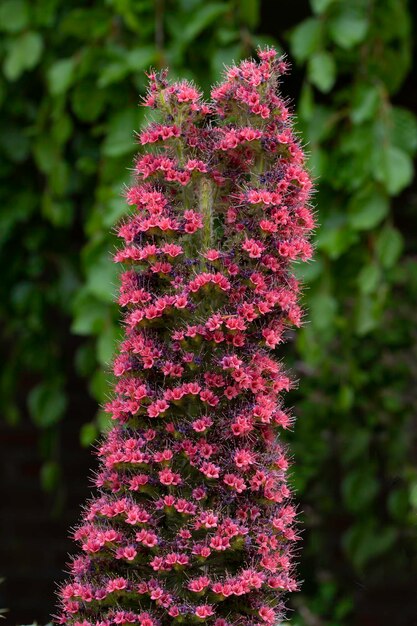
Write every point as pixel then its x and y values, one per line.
pixel 193 522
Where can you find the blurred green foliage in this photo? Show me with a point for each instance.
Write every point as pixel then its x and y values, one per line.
pixel 71 76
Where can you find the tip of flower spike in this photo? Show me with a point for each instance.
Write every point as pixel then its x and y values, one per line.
pixel 269 54
pixel 157 78
pixel 172 97
pixel 269 64
pixel 251 86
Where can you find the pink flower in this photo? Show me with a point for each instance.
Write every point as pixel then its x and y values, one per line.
pixel 212 255
pixel 210 470
pixel 158 407
pixel 147 538
pixel 196 164
pixel 198 584
pixel 267 614
pixel 219 543
pixel 168 477
pixel 208 519
pixel 204 610
pixel 244 458
pixel 249 134
pixel 253 248
pixel 186 93
pixel 116 584
pixel 235 482
pixel 129 553
pixel 202 424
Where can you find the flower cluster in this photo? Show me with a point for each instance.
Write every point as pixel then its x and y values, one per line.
pixel 193 521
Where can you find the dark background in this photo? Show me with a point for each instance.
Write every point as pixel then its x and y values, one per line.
pixel 70 80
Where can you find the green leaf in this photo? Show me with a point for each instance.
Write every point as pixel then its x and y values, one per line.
pixel 359 489
pixel 250 12
pixel 119 139
pixel 413 495
pixel 62 128
pixel 57 212
pixel 318 163
pixel 398 503
pixel 113 73
pixel 60 76
pixel 364 104
pixel 85 359
pixel 99 385
pixel 306 102
pixel 345 398
pixel 320 124
pixel 322 71
pixel 367 209
pixel 365 541
pixel 23 54
pixel 14 15
pixel 320 6
pixel 201 19
pixel 348 28
pixel 226 35
pixel 59 177
pixel 89 314
pixel 47 404
pixel 335 237
pixel 87 101
pixel 306 38
pixel 403 130
pixel 15 143
pixel 369 278
pixel 356 444
pixel 115 204
pixel 107 343
pixel 394 168
pixel 50 475
pixel 131 62
pixel 87 23
pixel 102 275
pixel 323 308
pixel 46 153
pixel 388 246
pixel 367 314
pixel 88 434
pixel 104 421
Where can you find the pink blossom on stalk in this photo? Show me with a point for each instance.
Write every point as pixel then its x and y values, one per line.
pixel 193 521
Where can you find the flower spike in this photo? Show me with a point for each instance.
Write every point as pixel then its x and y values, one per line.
pixel 193 521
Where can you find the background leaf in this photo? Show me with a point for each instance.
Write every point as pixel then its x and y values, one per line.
pixel 47 404
pixel 23 54
pixel 322 71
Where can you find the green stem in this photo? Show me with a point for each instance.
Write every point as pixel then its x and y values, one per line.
pixel 258 169
pixel 206 197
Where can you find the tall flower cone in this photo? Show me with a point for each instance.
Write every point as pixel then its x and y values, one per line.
pixel 193 521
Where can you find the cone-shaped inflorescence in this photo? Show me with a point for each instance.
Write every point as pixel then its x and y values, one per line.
pixel 193 522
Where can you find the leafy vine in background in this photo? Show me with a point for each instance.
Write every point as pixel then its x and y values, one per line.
pixel 70 79
pixel 355 433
